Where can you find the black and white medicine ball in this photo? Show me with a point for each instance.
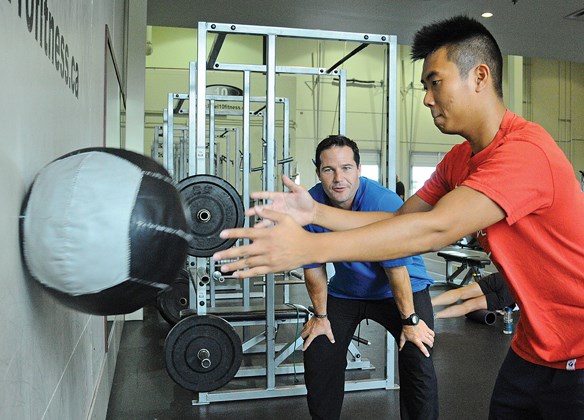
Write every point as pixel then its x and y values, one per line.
pixel 104 230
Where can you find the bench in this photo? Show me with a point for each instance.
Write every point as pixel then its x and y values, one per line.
pixel 474 264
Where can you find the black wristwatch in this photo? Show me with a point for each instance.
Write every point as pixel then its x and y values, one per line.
pixel 413 319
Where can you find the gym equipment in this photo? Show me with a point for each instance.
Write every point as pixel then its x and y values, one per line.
pixel 173 150
pixel 202 353
pixel 291 314
pixel 470 242
pixel 213 205
pixel 482 316
pixel 278 352
pixel 101 229
pixel 175 298
pixel 201 130
pixel 474 264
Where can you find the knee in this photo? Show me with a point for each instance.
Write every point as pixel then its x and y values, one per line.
pixel 322 353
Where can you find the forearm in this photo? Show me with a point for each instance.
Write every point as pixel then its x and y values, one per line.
pixel 316 285
pixel 286 246
pixel 459 213
pixel 336 219
pixel 401 287
pixel 386 240
pixel 418 333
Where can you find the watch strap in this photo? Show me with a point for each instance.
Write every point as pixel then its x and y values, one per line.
pixel 410 319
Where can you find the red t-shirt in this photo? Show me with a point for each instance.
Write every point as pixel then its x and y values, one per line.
pixel 539 246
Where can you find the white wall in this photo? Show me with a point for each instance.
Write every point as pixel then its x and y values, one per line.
pixel 556 101
pixel 51 358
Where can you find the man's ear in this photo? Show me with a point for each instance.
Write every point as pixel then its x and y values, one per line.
pixel 482 76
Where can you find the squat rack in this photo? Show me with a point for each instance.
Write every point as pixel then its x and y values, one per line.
pixel 176 102
pixel 207 61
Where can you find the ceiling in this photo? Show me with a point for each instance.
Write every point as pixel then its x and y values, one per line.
pixel 531 28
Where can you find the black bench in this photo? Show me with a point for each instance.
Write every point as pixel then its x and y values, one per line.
pixel 474 264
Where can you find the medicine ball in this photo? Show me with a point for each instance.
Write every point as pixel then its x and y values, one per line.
pixel 104 230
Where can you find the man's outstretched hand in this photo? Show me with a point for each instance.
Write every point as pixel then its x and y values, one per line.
pixel 297 203
pixel 281 247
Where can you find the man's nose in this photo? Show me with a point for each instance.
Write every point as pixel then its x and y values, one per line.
pixel 428 99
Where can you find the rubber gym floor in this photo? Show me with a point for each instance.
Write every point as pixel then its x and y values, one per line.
pixel 467 356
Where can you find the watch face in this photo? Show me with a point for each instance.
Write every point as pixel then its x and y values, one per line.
pixel 413 319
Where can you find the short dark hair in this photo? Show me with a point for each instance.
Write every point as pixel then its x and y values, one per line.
pixel 468 43
pixel 336 141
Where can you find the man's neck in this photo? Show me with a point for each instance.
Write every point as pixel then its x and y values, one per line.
pixel 486 128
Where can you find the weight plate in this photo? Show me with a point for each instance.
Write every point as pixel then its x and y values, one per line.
pixel 174 298
pixel 202 353
pixel 213 205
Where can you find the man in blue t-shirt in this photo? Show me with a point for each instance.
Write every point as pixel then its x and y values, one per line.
pixel 393 293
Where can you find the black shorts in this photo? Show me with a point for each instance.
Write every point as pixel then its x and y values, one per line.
pixel 496 292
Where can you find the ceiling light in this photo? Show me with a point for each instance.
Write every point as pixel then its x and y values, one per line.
pixel 487 15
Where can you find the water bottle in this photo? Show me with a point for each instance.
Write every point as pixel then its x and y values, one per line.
pixel 508 321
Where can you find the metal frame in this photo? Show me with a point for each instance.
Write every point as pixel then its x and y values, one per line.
pixel 293 390
pixel 197 142
pixel 281 352
pixel 222 29
pixel 176 101
pixel 157 141
pixel 177 164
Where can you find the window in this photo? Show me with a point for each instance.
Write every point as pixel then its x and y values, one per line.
pixel 370 171
pixel 370 164
pixel 420 174
pixel 422 165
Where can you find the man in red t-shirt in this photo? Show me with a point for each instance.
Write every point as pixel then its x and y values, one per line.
pixel 508 183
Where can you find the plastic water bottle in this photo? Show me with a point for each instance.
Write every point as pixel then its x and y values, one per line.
pixel 508 321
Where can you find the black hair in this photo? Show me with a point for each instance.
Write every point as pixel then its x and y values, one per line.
pixel 336 141
pixel 468 43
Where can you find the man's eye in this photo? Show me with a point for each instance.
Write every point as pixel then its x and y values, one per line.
pixel 435 82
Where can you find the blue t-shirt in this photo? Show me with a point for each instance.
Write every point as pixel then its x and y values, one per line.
pixel 367 280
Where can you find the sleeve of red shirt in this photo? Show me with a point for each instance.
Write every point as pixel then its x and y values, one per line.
pixel 517 176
